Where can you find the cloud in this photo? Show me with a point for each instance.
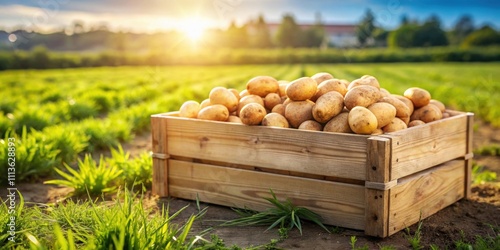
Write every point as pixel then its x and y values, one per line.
pixel 49 19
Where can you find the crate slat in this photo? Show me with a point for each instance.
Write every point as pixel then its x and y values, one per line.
pixel 418 148
pixel 425 194
pixel 327 154
pixel 338 203
pixel 159 146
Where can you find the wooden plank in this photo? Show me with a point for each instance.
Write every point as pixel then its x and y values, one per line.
pixel 310 152
pixel 421 147
pixel 424 194
pixel 469 150
pixel 159 146
pixel 338 204
pixel 379 159
pixel 377 201
pixel 377 212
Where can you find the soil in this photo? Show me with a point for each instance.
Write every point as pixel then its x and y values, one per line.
pixel 462 221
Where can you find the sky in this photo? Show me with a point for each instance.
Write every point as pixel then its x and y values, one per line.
pixel 155 15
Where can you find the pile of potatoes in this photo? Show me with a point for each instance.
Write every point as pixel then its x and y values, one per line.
pixel 320 103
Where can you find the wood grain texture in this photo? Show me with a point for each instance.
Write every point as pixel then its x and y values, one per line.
pixel 338 204
pixel 421 147
pixel 379 159
pixel 469 150
pixel 377 212
pixel 424 194
pixel 159 146
pixel 377 171
pixel 309 152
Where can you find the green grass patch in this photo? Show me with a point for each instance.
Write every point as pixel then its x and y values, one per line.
pixel 283 214
pixel 122 224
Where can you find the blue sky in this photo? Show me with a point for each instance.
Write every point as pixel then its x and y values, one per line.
pixel 151 15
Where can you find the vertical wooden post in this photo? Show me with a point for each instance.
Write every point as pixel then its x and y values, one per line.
pixel 469 155
pixel 376 195
pixel 160 155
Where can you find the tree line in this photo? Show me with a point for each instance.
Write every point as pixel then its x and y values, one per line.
pixel 428 33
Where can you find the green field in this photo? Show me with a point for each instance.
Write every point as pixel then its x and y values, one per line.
pixel 59 116
pixel 76 111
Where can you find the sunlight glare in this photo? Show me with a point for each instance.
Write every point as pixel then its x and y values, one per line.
pixel 193 29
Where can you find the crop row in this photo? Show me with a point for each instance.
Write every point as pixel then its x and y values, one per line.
pixel 41 58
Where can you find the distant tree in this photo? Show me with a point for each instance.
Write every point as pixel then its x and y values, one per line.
pixel 289 33
pixel 462 28
pixel 402 37
pixel 40 57
pixel 415 35
pixel 404 20
pixel 236 37
pixel 433 20
pixel 364 30
pixel 380 36
pixel 262 36
pixel 430 33
pixel 485 36
pixel 314 36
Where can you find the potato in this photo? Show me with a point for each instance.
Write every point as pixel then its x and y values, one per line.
pixel 298 112
pixel 406 120
pixel 384 112
pixel 395 125
pixel 271 100
pixel 345 82
pixel 262 85
pixel 244 93
pixel 189 109
pixel 287 101
pixel 221 95
pixel 252 114
pixel 235 93
pixel 406 101
pixel 280 109
pixel 216 112
pixel 438 104
pixel 402 111
pixel 446 115
pixel 361 96
pixel 327 106
pixel 311 125
pixel 249 99
pixel 378 131
pixel 205 103
pixel 234 119
pixel 427 113
pixel 301 89
pixel 365 80
pixel 384 92
pixel 362 120
pixel 275 120
pixel 321 77
pixel 415 123
pixel 329 85
pixel 420 97
pixel 282 87
pixel 338 124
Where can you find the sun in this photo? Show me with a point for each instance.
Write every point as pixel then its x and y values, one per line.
pixel 193 29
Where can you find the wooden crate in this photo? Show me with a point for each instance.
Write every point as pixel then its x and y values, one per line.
pixel 379 184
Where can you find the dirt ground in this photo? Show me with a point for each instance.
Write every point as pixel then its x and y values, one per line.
pixel 463 220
